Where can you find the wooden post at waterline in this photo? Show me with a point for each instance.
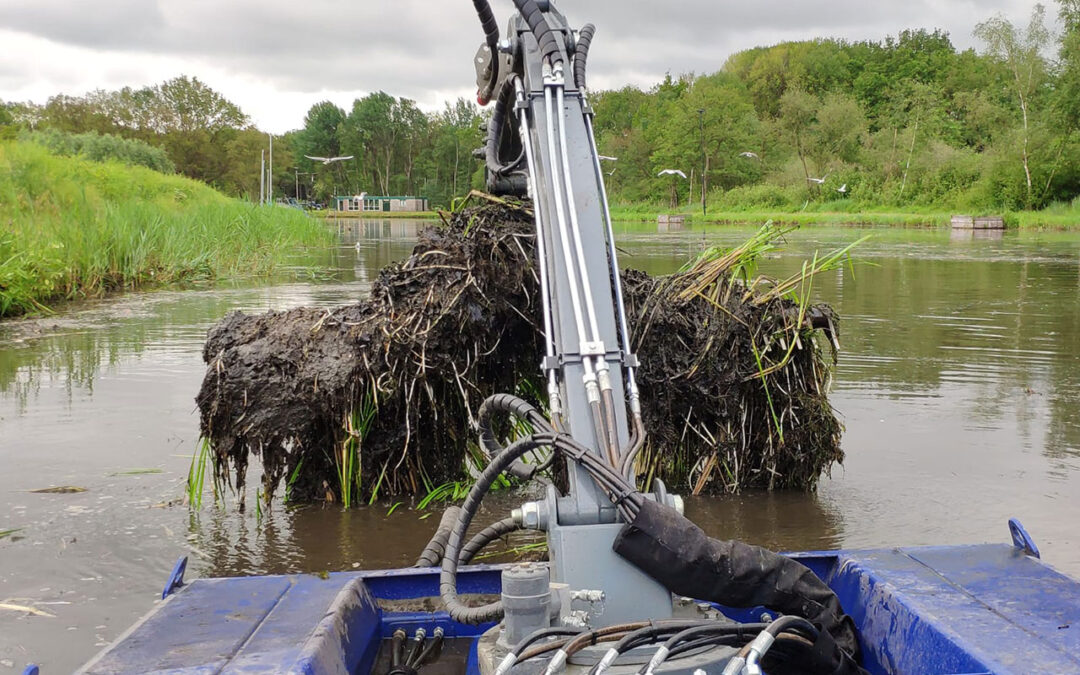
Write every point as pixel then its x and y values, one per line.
pixel 978 223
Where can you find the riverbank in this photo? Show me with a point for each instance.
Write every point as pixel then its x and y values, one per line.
pixel 376 215
pixel 76 229
pixel 1059 216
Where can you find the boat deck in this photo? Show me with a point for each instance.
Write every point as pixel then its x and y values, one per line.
pixel 956 610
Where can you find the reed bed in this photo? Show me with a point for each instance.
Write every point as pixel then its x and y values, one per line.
pixel 76 228
pixel 734 381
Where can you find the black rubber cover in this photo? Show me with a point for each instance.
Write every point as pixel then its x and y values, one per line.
pixel 581 54
pixel 490 25
pixel 534 18
pixel 678 554
pixel 436 548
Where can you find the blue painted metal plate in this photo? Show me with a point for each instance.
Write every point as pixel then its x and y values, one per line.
pixel 920 611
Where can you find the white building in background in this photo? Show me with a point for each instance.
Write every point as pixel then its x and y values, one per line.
pixel 380 204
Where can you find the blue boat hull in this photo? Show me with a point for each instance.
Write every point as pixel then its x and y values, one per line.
pixel 956 610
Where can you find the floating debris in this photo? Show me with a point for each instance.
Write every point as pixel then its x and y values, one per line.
pixel 4 534
pixel 61 490
pixel 137 472
pixel 377 398
pixel 25 610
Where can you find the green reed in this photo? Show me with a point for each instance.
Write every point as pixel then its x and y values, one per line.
pixel 76 229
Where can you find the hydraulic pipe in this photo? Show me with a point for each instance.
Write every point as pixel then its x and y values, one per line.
pixel 591 388
pixel 554 398
pixel 602 370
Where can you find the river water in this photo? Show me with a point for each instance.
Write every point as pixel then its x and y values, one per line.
pixel 958 383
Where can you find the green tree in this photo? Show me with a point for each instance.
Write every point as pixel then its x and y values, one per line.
pixel 798 114
pixel 1020 50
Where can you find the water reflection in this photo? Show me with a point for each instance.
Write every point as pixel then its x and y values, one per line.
pixel 958 384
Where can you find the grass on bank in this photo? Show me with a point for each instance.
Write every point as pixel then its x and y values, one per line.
pixel 845 212
pixel 72 228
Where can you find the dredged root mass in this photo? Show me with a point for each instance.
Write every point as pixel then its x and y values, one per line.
pixel 380 397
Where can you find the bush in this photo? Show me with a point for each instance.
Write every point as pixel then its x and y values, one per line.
pixel 765 196
pixel 102 148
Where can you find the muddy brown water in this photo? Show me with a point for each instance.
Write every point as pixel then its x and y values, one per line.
pixel 959 384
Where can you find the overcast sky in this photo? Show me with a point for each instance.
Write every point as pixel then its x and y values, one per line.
pixel 277 57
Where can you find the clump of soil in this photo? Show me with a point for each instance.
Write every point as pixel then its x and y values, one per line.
pixel 380 396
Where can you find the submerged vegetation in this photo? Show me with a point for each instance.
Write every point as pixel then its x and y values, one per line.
pixel 76 228
pixel 378 399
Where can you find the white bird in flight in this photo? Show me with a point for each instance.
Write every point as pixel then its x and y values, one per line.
pixel 328 160
pixel 819 181
pixel 842 189
pixel 671 172
pixel 749 155
pixel 605 158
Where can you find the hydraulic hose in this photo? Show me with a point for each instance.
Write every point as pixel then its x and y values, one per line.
pixel 494 133
pixel 694 632
pixel 397 648
pixel 491 37
pixel 433 649
pixel 534 18
pixel 486 536
pixel 514 406
pixel 433 552
pixel 627 500
pixel 488 22
pixel 448 578
pixel 581 54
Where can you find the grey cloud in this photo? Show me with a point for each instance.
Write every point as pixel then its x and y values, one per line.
pixel 413 47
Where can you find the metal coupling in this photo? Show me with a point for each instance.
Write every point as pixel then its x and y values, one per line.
pixel 603 376
pixel 558 662
pixel 507 664
pixel 758 648
pixel 531 516
pixel 592 597
pixel 592 390
pixel 735 666
pixel 605 663
pixel 658 658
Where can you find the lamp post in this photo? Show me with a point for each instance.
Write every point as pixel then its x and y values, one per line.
pixel 704 163
pixel 270 174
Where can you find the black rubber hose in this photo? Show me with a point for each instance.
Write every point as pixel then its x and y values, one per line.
pixel 652 633
pixel 397 648
pixel 514 406
pixel 747 630
pixel 789 622
pixel 415 649
pixel 543 634
pixel 494 133
pixel 433 552
pixel 534 18
pixel 486 536
pixel 433 650
pixel 489 23
pixel 448 578
pixel 581 53
pixel 491 37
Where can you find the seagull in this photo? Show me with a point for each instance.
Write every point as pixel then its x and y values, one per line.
pixel 328 160
pixel 819 181
pixel 605 158
pixel 749 155
pixel 671 172
pixel 842 189
pixel 611 173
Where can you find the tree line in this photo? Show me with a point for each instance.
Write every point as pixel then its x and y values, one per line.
pixel 908 121
pixel 186 126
